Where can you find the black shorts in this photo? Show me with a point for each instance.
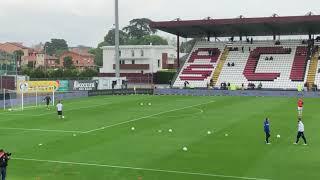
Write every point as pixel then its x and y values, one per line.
pixel 60 113
pixel 47 103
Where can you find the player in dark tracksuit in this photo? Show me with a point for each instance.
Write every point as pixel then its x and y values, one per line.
pixel 47 100
pixel 267 130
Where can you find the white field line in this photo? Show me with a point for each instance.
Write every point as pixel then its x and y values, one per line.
pixel 41 130
pixel 98 129
pixel 72 109
pixel 141 169
pixel 145 117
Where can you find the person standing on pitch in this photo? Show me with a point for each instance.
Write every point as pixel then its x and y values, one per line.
pixel 47 99
pixel 267 130
pixel 59 109
pixel 301 132
pixel 300 107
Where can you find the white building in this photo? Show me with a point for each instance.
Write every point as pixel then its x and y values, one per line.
pixel 138 59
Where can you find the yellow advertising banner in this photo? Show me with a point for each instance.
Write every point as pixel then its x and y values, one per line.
pixel 37 86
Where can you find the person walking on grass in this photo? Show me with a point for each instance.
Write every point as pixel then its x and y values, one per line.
pixel 59 110
pixel 300 107
pixel 267 130
pixel 301 132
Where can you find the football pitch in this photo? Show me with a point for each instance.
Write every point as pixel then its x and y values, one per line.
pixel 96 140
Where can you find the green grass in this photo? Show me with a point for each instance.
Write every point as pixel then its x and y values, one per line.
pixel 117 153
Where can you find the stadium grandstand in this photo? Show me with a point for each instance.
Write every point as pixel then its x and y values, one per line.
pixel 252 60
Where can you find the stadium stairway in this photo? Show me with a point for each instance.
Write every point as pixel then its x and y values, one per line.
pixel 313 68
pixel 300 63
pixel 220 65
pixel 198 69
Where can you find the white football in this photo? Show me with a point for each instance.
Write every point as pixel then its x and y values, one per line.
pixel 133 128
pixel 170 130
pixel 278 136
pixel 185 149
pixel 209 132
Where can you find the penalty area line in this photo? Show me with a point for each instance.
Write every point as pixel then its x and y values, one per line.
pixel 145 117
pixel 141 169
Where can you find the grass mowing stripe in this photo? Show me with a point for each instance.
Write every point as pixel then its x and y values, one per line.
pixel 137 119
pixel 142 169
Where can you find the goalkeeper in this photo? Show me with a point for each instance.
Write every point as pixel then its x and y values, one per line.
pixel 47 100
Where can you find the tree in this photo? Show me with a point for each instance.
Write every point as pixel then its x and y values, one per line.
pixel 138 32
pixel 68 63
pixel 88 73
pixel 70 73
pixel 56 46
pixel 38 73
pixel 55 73
pixel 148 39
pixel 139 28
pixel 30 65
pixel 109 39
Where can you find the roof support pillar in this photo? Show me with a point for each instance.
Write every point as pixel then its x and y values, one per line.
pixel 178 51
pixel 274 37
pixel 240 37
pixel 208 36
pixel 310 36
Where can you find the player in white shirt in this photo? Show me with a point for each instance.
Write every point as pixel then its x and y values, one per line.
pixel 59 109
pixel 301 132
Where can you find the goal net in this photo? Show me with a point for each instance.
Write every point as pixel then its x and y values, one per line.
pixel 14 100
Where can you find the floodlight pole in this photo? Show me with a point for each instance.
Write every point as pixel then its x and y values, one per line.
pixel 117 49
pixel 178 51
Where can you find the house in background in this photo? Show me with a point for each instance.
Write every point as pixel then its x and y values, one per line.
pixel 46 61
pixel 80 49
pixel 138 62
pixel 81 60
pixel 11 47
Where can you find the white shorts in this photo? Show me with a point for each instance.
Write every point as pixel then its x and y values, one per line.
pixel 300 108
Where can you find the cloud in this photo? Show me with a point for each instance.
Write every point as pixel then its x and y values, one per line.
pixel 86 22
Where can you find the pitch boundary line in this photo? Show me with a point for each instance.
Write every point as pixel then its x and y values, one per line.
pixel 141 169
pixel 145 117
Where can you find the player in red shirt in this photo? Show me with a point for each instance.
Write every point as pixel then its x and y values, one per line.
pixel 300 107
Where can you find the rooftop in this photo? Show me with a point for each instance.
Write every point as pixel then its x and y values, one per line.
pixel 258 26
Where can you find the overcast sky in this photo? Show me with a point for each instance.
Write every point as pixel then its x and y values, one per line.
pixel 85 22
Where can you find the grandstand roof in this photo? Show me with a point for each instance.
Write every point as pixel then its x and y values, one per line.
pixel 261 26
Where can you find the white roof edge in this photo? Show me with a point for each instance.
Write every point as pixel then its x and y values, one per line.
pixel 140 47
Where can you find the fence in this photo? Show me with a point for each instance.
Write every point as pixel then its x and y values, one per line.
pixel 120 92
pixel 254 93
